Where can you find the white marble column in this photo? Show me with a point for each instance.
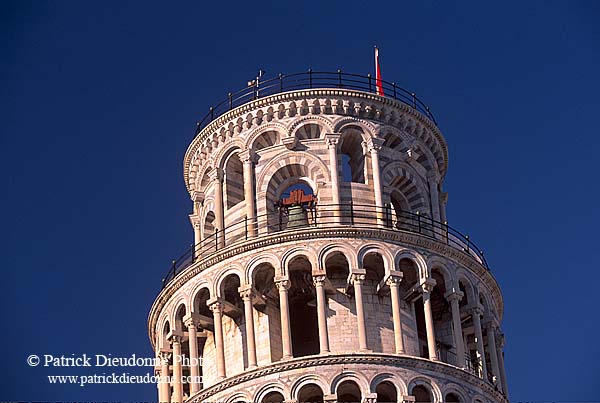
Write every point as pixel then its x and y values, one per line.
pixel 247 294
pixel 283 285
pixel 248 159
pixel 374 145
pixel 177 370
pixel 490 328
pixel 192 326
pixel 500 354
pixel 454 298
pixel 319 282
pixel 357 281
pixel 332 142
pixel 164 387
pixel 394 283
pixel 216 176
pixel 426 289
pixel 476 315
pixel 196 216
pixel 217 310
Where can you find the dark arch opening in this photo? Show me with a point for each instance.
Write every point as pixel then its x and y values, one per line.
pixel 421 394
pixel 273 397
pixel 310 393
pixel 303 308
pixel 308 131
pixel 353 159
pixel 348 392
pixel 386 393
pixel 452 398
pixel 234 181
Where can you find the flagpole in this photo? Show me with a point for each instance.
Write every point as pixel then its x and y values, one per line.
pixel 378 83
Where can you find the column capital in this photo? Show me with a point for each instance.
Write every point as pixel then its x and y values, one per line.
pixel 394 280
pixel 476 310
pixel 197 196
pixel 191 320
pixel 164 357
pixel 332 139
pixel 175 338
pixel 454 295
pixel 357 278
pixel 319 280
pixel 215 306
pixel 283 283
pixel 374 144
pixel 248 156
pixel 216 174
pixel 246 292
pixel 427 285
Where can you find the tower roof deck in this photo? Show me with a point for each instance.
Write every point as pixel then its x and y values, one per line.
pixel 313 79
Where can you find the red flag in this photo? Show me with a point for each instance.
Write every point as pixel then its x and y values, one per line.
pixel 378 82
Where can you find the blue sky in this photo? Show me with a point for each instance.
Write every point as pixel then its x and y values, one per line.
pixel 98 106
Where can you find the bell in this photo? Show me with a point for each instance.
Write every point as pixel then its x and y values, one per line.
pixel 297 217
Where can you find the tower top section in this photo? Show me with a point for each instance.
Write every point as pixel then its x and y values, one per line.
pixel 268 105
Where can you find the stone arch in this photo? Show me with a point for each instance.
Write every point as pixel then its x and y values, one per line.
pixel 233 180
pixel 292 253
pixel 201 294
pixel 436 262
pixel 225 152
pixel 273 386
pixel 395 380
pixel 223 274
pixel 462 278
pixel 369 129
pixel 161 331
pixel 323 123
pixel 203 283
pixel 394 137
pixel 314 169
pixel 358 378
pixel 305 380
pixel 239 397
pixel 202 181
pixel 417 259
pixel 256 261
pixel 254 135
pixel 347 251
pixel 484 299
pixel 388 258
pixel 457 390
pixel 178 312
pixel 401 177
pixel 434 390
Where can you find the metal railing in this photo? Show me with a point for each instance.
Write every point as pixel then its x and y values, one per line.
pixel 325 216
pixel 312 79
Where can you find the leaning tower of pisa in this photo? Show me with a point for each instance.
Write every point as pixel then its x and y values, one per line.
pixel 323 268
